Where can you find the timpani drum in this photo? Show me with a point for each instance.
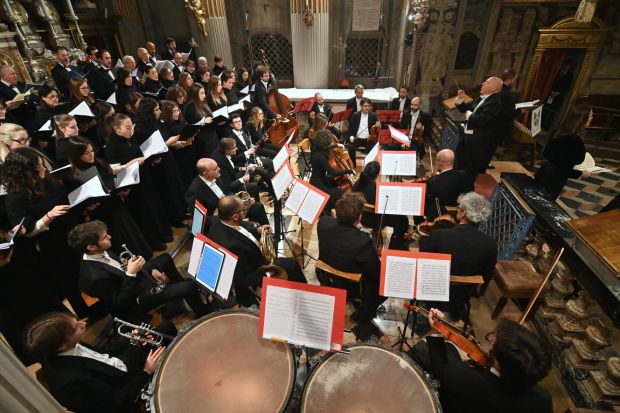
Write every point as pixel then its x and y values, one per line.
pixel 220 364
pixel 372 378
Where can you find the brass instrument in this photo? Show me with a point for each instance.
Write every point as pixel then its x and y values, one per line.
pixel 245 198
pixel 267 248
pixel 140 334
pixel 126 256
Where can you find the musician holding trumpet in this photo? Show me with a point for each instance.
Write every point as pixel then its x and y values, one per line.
pixel 130 289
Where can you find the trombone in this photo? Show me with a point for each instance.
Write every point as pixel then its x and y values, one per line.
pixel 140 334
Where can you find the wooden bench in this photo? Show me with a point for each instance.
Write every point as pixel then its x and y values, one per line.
pixel 515 279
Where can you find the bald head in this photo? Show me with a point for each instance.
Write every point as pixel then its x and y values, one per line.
pixel 491 85
pixel 208 169
pixel 150 47
pixel 143 54
pixel 415 104
pixel 228 207
pixel 445 159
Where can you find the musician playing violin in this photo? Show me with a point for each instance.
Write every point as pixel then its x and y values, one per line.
pixel 420 121
pixel 359 129
pixel 518 362
pixel 323 173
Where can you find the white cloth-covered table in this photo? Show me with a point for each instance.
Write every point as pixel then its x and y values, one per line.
pixel 340 95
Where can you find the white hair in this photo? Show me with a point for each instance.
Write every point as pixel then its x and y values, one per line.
pixel 476 208
pixel 126 59
pixel 201 59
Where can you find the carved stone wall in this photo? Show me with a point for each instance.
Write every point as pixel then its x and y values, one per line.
pixel 512 39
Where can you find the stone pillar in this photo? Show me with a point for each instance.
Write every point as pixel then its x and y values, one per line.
pixel 217 41
pixel 310 42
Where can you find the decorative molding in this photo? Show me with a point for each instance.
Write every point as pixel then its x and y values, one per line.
pixel 316 6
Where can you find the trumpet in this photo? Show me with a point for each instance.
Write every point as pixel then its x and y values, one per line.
pixel 140 334
pixel 126 256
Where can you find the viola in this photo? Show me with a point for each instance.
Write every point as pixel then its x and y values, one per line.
pixel 418 135
pixel 464 341
pixel 424 179
pixel 373 137
pixel 443 221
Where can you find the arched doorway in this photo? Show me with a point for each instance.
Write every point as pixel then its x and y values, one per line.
pixel 564 40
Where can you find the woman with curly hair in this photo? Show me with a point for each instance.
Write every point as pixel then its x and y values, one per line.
pixel 41 201
pixel 322 173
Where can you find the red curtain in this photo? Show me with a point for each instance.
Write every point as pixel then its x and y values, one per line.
pixel 550 64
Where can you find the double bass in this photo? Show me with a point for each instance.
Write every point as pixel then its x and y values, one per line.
pixel 281 105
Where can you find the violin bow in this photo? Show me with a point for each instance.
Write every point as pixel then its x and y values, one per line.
pixel 542 286
pixel 441 320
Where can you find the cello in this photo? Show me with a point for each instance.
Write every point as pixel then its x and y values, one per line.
pixel 281 105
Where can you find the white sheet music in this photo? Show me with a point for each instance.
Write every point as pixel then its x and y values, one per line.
pixel 194 257
pixel 402 200
pixel 153 145
pixel 163 63
pixel 226 277
pixel 245 90
pixel 235 107
pixel 372 155
pixel 401 163
pixel 112 99
pixel 296 197
pixel 526 105
pixel 399 136
pixel 128 176
pixel 200 122
pixel 184 56
pixel 245 98
pixel 311 207
pixel 280 158
pixel 46 126
pixel 221 112
pixel 82 110
pixel 299 317
pixel 433 282
pixel 282 180
pixel 399 277
pixel 90 189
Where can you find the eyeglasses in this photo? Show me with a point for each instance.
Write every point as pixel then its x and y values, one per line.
pixel 51 97
pixel 22 141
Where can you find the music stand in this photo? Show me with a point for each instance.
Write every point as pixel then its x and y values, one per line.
pixel 402 339
pixel 388 116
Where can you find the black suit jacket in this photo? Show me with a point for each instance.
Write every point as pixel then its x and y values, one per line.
pixel 395 104
pixel 447 187
pixel 509 112
pixel 228 173
pixel 7 93
pixel 22 114
pixel 143 66
pixel 101 82
pixel 86 385
pixel 327 110
pixel 354 122
pixel 352 104
pixel 260 99
pixel 62 76
pixel 423 118
pixel 198 190
pixel 248 253
pixel 346 248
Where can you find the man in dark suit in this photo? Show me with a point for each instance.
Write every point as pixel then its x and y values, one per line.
pixel 171 49
pixel 359 129
pixel 207 188
pixel 402 102
pixel 483 129
pixel 62 72
pixel 242 239
pixel 261 89
pixel 415 117
pixel 344 247
pixel 509 112
pixel 520 361
pixel 445 187
pixel 144 61
pixel 234 174
pixel 321 107
pixel 177 62
pixel 247 153
pixel 129 293
pixel 84 378
pixel 10 87
pixel 473 252
pixel 91 61
pixel 355 102
pixel 102 78
pixel 150 47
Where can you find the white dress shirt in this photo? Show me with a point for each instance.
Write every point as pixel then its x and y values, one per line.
pixel 245 232
pixel 82 351
pixel 362 130
pixel 104 258
pixel 213 186
pixel 359 105
pixel 469 112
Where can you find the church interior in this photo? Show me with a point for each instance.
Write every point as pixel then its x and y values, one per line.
pixel 556 271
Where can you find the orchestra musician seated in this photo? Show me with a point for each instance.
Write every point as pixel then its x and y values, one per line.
pixel 402 102
pixel 130 291
pixel 324 109
pixel 360 129
pixel 242 239
pixel 207 188
pixel 244 146
pixel 445 187
pixel 355 102
pixel 416 118
pixel 234 173
pixel 344 247
pixel 519 361
pixel 473 252
pixel 85 379
pixel 367 185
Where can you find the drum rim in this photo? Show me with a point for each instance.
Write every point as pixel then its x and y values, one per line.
pixel 156 378
pixel 405 356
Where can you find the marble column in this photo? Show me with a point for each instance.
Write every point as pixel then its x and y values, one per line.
pixel 310 43
pixel 217 41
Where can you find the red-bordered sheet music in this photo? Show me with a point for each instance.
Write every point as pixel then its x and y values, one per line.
pixel 404 199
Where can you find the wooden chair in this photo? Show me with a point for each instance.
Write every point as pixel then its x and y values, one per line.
pixel 473 281
pixel 515 279
pixel 331 277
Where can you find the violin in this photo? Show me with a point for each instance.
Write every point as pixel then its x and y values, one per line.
pixel 424 179
pixel 373 137
pixel 443 221
pixel 463 340
pixel 418 135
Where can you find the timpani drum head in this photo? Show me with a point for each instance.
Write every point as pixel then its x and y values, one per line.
pixel 371 379
pixel 220 364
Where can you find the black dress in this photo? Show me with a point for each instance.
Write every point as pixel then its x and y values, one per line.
pixel 170 187
pixel 221 126
pixel 122 97
pixel 561 154
pixel 206 140
pixel 185 157
pixel 267 148
pixel 322 177
pixel 143 201
pixel 42 115
pixel 154 89
pixel 61 263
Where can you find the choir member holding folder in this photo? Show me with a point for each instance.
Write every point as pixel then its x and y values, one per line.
pixel 48 108
pixel 473 252
pixel 125 86
pixel 41 201
pixel 183 151
pixel 143 201
pixel 344 247
pixel 197 112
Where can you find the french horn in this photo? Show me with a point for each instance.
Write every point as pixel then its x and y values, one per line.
pixel 267 248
